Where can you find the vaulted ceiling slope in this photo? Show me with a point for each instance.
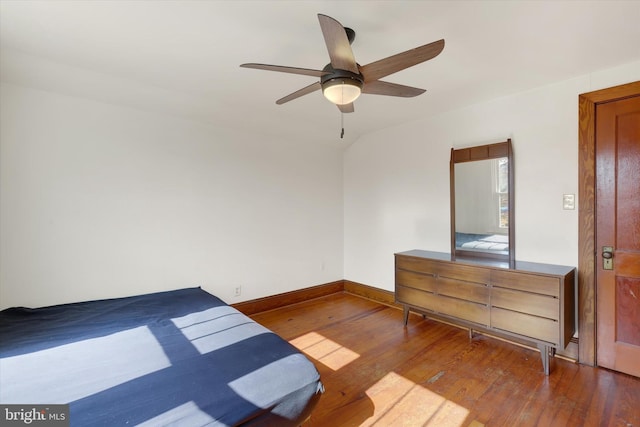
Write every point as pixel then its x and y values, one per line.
pixel 182 57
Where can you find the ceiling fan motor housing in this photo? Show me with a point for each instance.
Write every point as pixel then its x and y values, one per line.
pixel 337 74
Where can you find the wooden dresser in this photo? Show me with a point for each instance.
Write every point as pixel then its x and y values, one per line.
pixel 533 302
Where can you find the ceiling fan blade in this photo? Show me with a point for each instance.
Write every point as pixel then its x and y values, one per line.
pixel 299 93
pixel 335 37
pixel 283 69
pixel 346 108
pixel 400 61
pixel 378 87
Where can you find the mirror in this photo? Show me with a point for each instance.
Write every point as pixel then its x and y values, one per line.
pixel 482 215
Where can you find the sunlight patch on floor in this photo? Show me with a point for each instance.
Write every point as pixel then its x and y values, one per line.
pixel 426 407
pixel 325 351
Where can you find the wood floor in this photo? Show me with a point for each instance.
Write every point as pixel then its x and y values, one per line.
pixel 377 372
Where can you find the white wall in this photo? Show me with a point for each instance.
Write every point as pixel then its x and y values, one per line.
pixel 396 181
pixel 102 201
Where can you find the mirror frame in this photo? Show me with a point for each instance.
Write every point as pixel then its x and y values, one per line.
pixel 472 154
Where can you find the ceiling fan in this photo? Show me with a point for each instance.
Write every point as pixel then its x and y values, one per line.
pixel 343 80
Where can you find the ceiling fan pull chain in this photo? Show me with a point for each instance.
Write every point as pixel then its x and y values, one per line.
pixel 342 125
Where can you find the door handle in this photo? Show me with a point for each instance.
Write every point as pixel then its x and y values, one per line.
pixel 607 257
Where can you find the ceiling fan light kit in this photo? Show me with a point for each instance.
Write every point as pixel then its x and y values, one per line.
pixel 341 91
pixel 343 80
pixel 341 87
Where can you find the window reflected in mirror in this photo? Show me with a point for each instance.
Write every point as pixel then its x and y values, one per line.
pixel 502 189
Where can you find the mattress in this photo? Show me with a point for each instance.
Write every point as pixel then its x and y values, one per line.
pixel 182 357
pixel 494 242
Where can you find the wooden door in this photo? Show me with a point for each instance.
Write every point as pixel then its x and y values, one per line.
pixel 618 227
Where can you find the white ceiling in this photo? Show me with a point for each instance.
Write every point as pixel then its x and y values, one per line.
pixel 183 57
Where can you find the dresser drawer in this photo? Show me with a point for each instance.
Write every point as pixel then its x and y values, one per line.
pixel 526 282
pixel 416 264
pixel 416 280
pixel 524 302
pixel 525 324
pixel 464 272
pixel 469 291
pixel 465 310
pixel 472 312
pixel 416 298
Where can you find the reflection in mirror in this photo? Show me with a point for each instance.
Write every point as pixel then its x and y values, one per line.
pixel 482 206
pixel 482 202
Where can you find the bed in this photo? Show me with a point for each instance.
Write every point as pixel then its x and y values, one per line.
pixel 483 242
pixel 181 357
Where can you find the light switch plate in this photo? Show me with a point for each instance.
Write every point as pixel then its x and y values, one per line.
pixel 568 201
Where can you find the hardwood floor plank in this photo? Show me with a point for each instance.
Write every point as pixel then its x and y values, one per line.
pixel 624 394
pixel 377 372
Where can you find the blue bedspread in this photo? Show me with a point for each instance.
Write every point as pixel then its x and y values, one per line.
pixel 182 357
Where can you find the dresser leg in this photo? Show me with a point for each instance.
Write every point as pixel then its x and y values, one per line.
pixel 405 312
pixel 544 355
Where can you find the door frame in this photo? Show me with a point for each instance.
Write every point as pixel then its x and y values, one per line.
pixel 587 309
